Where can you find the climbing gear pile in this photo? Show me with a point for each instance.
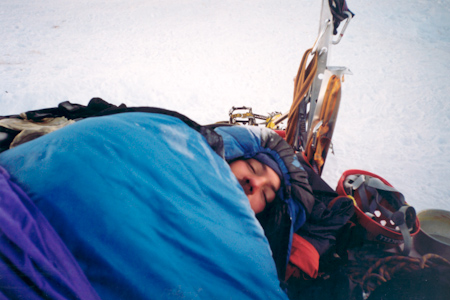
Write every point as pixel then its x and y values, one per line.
pixel 317 91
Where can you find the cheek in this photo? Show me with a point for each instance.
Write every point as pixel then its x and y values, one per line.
pixel 238 168
pixel 256 204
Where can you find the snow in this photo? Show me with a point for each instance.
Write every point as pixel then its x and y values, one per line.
pixel 201 57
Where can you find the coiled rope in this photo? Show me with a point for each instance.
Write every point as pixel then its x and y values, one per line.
pixel 381 270
pixel 386 268
pixel 303 81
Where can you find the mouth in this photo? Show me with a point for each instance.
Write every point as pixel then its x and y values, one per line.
pixel 245 184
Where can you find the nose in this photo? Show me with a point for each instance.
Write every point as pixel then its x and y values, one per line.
pixel 253 184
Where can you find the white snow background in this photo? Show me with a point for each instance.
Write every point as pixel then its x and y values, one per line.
pixel 201 57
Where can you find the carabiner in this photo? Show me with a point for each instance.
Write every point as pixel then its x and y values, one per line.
pixel 341 34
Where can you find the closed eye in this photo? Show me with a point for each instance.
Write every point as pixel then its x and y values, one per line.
pixel 250 166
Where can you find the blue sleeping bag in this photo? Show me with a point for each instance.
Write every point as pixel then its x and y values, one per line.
pixel 147 209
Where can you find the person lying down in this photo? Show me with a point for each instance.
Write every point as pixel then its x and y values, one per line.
pixel 139 206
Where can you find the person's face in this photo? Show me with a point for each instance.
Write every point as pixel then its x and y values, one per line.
pixel 259 182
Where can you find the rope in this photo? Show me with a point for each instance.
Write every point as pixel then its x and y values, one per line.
pixel 386 268
pixel 303 82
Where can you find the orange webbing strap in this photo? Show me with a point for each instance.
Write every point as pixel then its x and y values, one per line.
pixel 303 82
pixel 326 112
